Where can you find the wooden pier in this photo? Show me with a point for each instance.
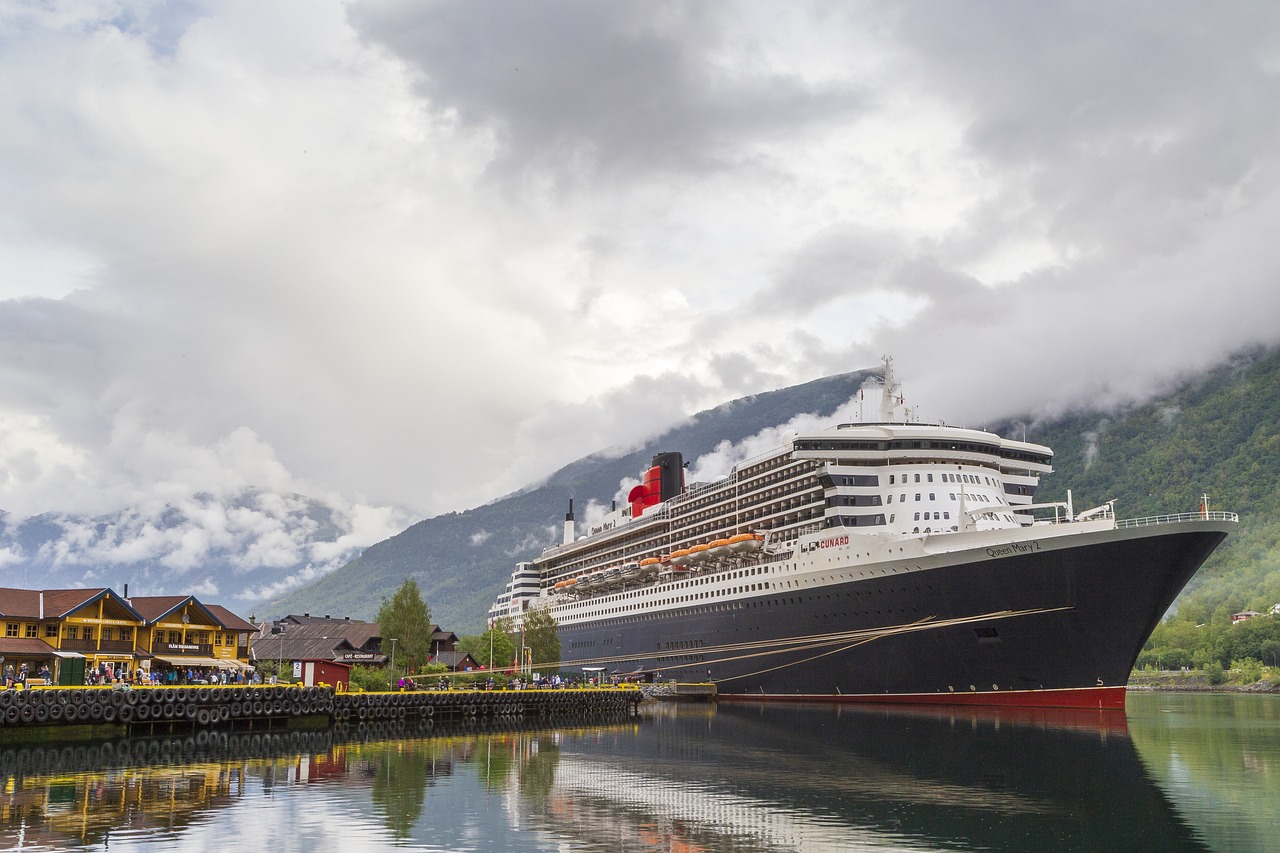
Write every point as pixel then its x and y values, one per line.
pixel 154 710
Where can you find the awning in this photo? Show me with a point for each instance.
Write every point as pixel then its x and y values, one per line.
pixel 62 654
pixel 193 661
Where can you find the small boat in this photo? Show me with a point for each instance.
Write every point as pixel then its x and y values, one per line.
pixel 630 571
pixel 744 542
pixel 719 548
pixel 680 557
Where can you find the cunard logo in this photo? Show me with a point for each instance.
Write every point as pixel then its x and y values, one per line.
pixel 832 542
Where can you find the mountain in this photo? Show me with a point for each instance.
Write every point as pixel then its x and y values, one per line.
pixel 235 549
pixel 461 561
pixel 1218 433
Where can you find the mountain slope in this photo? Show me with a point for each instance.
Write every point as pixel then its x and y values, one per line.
pixel 236 548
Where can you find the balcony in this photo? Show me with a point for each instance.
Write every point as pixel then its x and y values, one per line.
pixel 95 646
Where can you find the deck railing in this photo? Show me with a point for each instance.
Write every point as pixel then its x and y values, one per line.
pixel 1177 517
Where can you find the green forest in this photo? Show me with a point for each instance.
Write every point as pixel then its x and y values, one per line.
pixel 1217 435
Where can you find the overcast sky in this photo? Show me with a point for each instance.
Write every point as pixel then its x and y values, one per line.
pixel 423 253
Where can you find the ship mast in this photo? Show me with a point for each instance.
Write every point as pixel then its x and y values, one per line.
pixel 891 396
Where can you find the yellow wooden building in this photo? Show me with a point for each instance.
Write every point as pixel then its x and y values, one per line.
pixel 82 634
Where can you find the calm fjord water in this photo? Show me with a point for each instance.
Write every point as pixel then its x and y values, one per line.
pixel 1178 772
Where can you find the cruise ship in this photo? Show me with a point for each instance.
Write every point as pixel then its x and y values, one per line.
pixel 883 561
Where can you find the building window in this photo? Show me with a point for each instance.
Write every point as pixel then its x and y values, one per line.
pixel 173 637
pixel 106 634
pixel 73 633
pixel 33 630
pixel 88 633
pixel 51 630
pixel 126 634
pixel 930 478
pixel 11 629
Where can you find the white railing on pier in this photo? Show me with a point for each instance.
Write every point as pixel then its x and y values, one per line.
pixel 1178 517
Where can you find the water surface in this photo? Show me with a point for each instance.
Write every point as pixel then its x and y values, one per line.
pixel 1177 773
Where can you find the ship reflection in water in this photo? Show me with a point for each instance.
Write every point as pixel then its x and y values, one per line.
pixel 690 778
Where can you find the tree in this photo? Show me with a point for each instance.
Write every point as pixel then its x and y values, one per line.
pixel 498 639
pixel 407 619
pixel 543 640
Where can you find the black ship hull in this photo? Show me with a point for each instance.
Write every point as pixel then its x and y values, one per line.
pixel 1057 623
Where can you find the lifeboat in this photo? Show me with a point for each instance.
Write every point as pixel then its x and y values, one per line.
pixel 649 566
pixel 698 553
pixel 630 571
pixel 746 542
pixel 680 557
pixel 590 581
pixel 719 548
pixel 611 576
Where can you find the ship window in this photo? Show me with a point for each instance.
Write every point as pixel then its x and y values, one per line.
pixel 891 479
pixel 946 515
pixel 931 497
pixel 892 516
pixel 935 517
pixel 953 495
pixel 917 478
pixel 917 496
pixel 930 478
pixel 917 516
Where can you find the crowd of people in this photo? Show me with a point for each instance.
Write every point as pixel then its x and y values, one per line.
pixel 107 673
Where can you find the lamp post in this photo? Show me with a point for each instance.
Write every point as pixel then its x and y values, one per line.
pixel 392 680
pixel 279 630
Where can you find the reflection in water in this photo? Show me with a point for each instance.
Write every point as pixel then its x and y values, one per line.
pixel 736 778
pixel 1218 757
pixel 762 778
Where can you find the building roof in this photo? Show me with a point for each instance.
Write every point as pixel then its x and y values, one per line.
pixel 230 620
pixel 25 646
pixel 54 603
pixel 455 660
pixel 155 607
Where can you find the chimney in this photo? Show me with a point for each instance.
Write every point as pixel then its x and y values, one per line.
pixel 568 524
pixel 42 604
pixel 126 592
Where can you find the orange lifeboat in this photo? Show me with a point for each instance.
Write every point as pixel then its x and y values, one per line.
pixel 746 542
pixel 719 548
pixel 680 557
pixel 698 553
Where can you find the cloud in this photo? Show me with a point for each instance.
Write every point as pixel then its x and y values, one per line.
pixel 584 91
pixel 400 255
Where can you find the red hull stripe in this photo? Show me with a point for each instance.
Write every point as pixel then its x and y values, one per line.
pixel 1092 698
